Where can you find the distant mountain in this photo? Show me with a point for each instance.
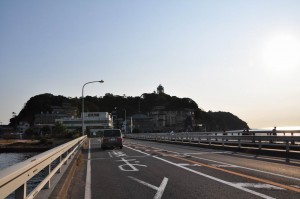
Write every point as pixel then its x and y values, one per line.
pixel 213 121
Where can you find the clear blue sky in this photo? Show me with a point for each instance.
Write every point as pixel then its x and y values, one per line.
pixel 238 56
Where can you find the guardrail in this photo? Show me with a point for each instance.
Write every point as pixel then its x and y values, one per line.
pixel 279 140
pixel 15 178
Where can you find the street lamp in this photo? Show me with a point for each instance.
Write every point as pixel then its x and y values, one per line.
pixel 125 121
pixel 101 81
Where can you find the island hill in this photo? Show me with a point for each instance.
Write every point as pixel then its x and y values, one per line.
pixel 150 112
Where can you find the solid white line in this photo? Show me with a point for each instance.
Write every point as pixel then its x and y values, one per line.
pixel 210 177
pixel 256 170
pixel 217 179
pixel 266 172
pixel 87 194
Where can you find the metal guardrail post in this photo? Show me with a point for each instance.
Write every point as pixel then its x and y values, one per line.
pixel 20 193
pixel 69 153
pixel 239 140
pixel 48 171
pixel 59 170
pixel 287 148
pixel 259 144
pixel 66 154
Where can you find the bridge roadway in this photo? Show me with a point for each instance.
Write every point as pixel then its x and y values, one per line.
pixel 149 170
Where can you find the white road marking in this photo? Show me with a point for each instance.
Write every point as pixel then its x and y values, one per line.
pixel 256 170
pixel 224 165
pixel 201 153
pixel 119 154
pixel 210 177
pixel 191 165
pixel 183 164
pixel 87 194
pixel 129 166
pixel 296 186
pixel 110 155
pixel 160 189
pixel 259 186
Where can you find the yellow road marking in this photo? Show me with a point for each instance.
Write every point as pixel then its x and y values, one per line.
pixel 234 173
pixel 240 174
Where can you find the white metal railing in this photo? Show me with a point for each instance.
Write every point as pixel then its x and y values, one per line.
pixel 15 178
pixel 259 139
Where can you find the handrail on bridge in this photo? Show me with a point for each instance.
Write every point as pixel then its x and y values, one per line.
pixel 271 139
pixel 15 178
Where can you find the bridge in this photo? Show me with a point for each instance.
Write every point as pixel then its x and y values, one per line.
pixel 234 164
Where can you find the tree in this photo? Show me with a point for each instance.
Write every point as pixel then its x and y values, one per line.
pixel 59 130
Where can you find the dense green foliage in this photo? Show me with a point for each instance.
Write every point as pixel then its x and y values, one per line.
pixel 211 120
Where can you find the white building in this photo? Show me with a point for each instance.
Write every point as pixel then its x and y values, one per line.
pixel 92 121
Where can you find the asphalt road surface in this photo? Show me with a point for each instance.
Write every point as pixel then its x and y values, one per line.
pixel 149 170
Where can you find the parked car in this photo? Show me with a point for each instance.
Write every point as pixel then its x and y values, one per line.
pixel 111 138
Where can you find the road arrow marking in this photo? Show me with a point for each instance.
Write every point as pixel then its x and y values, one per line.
pixel 160 189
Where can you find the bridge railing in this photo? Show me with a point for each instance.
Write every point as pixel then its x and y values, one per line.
pixel 284 140
pixel 15 178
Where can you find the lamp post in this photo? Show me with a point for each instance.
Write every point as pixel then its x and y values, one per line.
pixel 125 121
pixel 140 103
pixel 82 112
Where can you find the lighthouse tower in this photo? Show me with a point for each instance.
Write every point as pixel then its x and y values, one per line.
pixel 160 89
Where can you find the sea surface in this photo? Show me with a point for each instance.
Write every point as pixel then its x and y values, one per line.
pixel 283 128
pixel 9 159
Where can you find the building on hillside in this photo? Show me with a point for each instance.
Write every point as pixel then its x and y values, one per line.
pixel 142 123
pixel 93 121
pixel 6 129
pixel 58 112
pixel 166 120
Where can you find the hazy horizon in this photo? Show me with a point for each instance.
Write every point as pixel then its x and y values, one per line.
pixel 235 56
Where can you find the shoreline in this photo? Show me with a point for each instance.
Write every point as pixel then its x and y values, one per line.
pixel 30 145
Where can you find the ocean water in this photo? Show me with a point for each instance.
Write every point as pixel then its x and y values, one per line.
pixel 284 128
pixel 9 159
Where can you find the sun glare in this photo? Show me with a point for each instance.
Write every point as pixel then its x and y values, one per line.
pixel 281 53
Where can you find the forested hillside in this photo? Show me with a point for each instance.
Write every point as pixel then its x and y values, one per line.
pixel 140 104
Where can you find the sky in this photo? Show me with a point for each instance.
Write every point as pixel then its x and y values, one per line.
pixel 238 56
